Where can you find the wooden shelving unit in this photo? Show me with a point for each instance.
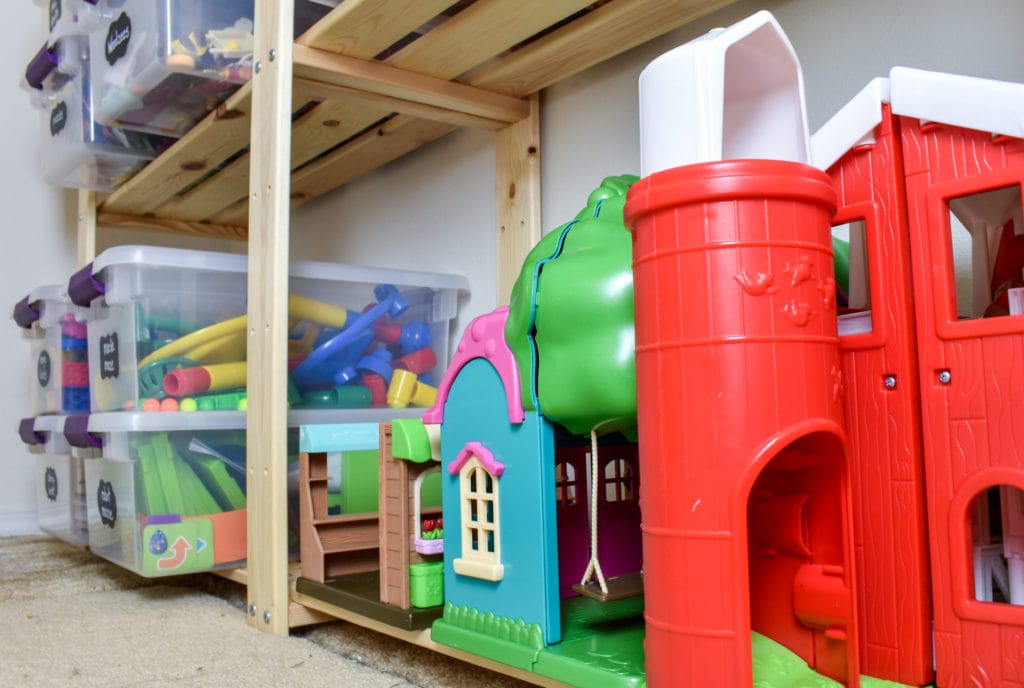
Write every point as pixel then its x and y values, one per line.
pixel 372 81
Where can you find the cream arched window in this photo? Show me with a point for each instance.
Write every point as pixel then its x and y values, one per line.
pixel 479 499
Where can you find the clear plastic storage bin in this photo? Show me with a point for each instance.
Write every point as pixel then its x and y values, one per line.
pixel 59 479
pixel 166 492
pixel 167 331
pixel 59 361
pixel 161 65
pixel 167 496
pixel 78 152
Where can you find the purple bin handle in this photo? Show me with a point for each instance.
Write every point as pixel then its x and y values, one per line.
pixel 76 432
pixel 83 287
pixel 28 434
pixel 40 67
pixel 24 314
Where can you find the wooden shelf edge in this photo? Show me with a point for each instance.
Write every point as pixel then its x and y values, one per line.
pixel 422 639
pixel 206 229
pixel 396 85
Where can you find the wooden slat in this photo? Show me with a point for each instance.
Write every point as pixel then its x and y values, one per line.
pixel 203 148
pixel 365 28
pixel 389 141
pixel 400 85
pixel 517 196
pixel 484 29
pixel 607 31
pixel 327 125
pixel 393 105
pixel 267 427
pixel 235 232
pixel 332 122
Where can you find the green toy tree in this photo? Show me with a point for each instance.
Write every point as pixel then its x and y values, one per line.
pixel 570 324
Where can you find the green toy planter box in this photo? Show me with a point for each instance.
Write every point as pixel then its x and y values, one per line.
pixel 426 584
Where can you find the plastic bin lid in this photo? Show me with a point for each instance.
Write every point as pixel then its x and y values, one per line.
pixel 165 421
pixel 187 259
pixel 196 421
pixel 375 275
pixel 159 256
pixel 732 93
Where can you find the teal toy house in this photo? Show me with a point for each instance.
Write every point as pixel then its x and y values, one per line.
pixel 497 482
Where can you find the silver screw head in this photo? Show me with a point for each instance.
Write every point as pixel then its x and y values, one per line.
pixel 273 54
pixel 890 382
pixel 945 377
pixel 266 617
pixel 258 67
pixel 252 609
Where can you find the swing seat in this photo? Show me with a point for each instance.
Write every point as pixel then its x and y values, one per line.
pixel 619 587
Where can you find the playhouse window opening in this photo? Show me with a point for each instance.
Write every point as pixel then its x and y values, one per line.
pixel 566 484
pixel 987 245
pixel 853 281
pixel 997 530
pixel 618 481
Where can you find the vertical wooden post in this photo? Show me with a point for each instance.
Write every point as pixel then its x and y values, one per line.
pixel 86 227
pixel 269 202
pixel 517 182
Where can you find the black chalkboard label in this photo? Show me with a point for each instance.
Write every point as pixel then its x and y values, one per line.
pixel 107 502
pixel 44 369
pixel 55 12
pixel 50 480
pixel 58 118
pixel 118 35
pixel 109 356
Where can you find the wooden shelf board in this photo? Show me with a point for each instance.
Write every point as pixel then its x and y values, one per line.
pixel 346 102
pixel 607 31
pixel 421 638
pixel 365 28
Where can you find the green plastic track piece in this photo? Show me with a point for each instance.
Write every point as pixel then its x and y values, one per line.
pixel 214 475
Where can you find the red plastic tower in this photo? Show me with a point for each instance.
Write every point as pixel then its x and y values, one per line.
pixel 746 504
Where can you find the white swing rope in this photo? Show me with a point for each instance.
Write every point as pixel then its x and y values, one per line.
pixel 594 566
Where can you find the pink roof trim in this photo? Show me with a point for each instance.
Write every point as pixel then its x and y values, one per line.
pixel 484 338
pixel 493 466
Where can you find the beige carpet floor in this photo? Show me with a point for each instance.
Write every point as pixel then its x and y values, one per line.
pixel 68 618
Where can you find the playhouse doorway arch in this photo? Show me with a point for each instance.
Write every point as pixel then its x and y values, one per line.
pixel 799 552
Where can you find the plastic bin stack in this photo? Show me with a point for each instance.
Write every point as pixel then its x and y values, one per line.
pixel 117 81
pixel 58 386
pixel 167 330
pixel 77 149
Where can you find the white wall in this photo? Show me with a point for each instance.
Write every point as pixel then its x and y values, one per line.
pixel 38 248
pixel 435 209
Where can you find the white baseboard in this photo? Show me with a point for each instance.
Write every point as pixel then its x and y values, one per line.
pixel 19 523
